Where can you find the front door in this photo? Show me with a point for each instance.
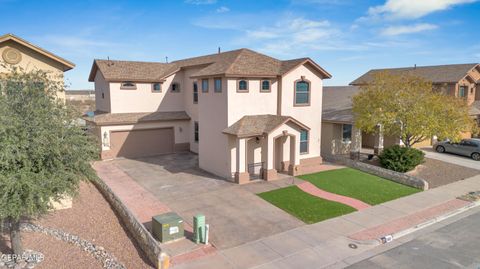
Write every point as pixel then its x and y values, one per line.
pixel 255 170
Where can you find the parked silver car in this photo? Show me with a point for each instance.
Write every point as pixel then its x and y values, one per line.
pixel 466 147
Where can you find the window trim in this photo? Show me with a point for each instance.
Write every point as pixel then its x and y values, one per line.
pixel 238 85
pixel 295 91
pixel 306 141
pixel 196 132
pixel 215 85
pixel 153 87
pixel 122 87
pixel 171 87
pixel 205 90
pixel 195 93
pixel 269 85
pixel 465 91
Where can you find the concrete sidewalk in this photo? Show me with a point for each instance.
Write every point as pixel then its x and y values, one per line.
pixel 326 244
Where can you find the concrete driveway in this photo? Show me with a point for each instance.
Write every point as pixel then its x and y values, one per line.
pixel 235 214
pixel 451 158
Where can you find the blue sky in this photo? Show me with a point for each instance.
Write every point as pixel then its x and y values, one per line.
pixel 347 38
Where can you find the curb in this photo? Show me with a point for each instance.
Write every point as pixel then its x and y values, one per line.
pixel 390 237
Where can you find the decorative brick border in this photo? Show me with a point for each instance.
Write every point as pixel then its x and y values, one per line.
pixel 381 172
pixel 143 237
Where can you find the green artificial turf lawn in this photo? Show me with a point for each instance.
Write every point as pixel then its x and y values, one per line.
pixel 306 207
pixel 359 185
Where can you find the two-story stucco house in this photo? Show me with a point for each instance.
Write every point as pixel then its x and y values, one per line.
pixel 247 115
pixel 15 51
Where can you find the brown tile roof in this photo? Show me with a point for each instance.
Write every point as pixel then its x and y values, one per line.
pixel 257 125
pixel 242 62
pixel 437 74
pixel 132 118
pixel 337 103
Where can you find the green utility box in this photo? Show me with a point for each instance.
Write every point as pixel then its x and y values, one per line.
pixel 199 228
pixel 167 227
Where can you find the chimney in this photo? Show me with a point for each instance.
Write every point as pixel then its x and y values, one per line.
pixel 219 51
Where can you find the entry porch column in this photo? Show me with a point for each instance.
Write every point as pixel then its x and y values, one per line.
pixel 294 167
pixel 241 175
pixel 269 172
pixel 356 145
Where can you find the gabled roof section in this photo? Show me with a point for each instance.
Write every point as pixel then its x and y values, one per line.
pixel 67 65
pixel 337 103
pixel 132 70
pixel 235 63
pixel 257 125
pixel 436 74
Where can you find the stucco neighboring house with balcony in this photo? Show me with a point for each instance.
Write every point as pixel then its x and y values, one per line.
pixel 245 114
pixel 17 52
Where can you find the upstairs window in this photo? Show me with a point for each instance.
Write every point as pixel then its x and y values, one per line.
pixel 195 93
pixel 302 93
pixel 128 85
pixel 175 87
pixel 265 85
pixel 462 90
pixel 204 85
pixel 303 141
pixel 156 87
pixel 217 85
pixel 242 85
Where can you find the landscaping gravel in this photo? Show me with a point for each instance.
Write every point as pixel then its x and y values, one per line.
pixel 438 173
pixel 91 218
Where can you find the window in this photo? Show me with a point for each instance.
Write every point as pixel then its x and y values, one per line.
pixel 195 93
pixel 217 85
pixel 302 93
pixel 175 87
pixel 195 133
pixel 265 86
pixel 204 85
pixel 156 87
pixel 242 85
pixel 462 90
pixel 128 85
pixel 303 141
pixel 346 132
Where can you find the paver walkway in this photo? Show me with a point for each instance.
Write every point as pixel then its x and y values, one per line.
pixel 313 190
pixel 409 221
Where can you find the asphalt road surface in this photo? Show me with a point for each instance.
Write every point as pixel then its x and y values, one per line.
pixel 456 245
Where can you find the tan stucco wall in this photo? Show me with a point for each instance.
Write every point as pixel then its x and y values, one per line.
pixel 330 131
pixel 32 60
pixel 102 86
pixel 309 115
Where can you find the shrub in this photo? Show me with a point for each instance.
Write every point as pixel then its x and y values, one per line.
pixel 401 159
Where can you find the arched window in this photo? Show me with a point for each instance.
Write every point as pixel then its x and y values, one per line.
pixel 265 86
pixel 302 93
pixel 242 85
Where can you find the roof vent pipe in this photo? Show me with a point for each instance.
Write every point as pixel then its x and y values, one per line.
pixel 219 50
pixel 166 59
pixel 415 66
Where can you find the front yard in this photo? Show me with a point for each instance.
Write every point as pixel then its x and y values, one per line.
pixel 348 182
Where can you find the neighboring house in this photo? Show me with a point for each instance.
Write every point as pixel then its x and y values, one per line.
pixel 247 115
pixel 338 132
pixel 18 52
pixel 459 80
pixel 338 123
pixel 83 100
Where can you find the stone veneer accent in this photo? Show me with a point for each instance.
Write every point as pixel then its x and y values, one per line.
pixel 143 237
pixel 381 172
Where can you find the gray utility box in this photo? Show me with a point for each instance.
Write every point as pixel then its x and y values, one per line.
pixel 167 227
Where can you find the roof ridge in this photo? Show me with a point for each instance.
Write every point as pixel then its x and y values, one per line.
pixel 421 66
pixel 242 50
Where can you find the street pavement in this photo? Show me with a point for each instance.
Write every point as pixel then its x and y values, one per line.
pixel 451 158
pixel 452 246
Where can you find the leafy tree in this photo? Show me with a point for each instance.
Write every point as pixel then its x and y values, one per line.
pixel 44 153
pixel 408 107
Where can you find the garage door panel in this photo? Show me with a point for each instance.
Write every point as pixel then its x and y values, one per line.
pixel 140 143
